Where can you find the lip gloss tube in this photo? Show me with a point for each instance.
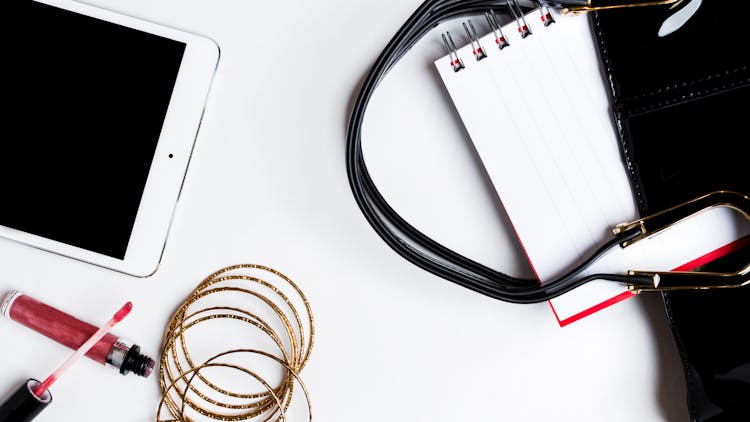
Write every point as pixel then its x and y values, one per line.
pixel 112 351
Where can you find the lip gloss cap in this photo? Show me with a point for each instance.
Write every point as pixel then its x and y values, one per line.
pixel 23 405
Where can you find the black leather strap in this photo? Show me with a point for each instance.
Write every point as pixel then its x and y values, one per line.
pixel 404 238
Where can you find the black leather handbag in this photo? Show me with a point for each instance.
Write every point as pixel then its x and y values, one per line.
pixel 680 85
pixel 680 102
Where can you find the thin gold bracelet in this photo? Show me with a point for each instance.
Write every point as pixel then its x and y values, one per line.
pixel 187 392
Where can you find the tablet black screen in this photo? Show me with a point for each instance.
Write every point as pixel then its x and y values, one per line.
pixel 84 105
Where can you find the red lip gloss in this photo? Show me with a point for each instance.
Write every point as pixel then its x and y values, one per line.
pixel 111 350
pixel 32 397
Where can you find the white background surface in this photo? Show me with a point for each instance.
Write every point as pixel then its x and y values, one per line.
pixel 267 185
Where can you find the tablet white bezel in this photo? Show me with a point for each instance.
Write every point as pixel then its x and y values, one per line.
pixel 175 145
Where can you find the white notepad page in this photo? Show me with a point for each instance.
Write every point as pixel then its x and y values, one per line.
pixel 538 114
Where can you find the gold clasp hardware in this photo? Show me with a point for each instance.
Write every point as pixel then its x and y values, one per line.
pixel 635 231
pixel 592 6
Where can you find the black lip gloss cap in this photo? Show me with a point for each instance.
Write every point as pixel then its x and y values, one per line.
pixel 23 405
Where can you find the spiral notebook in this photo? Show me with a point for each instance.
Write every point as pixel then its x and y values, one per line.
pixel 535 104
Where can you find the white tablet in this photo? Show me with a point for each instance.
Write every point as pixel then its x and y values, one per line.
pixel 101 112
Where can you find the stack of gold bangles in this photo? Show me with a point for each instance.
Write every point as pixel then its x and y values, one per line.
pixel 240 293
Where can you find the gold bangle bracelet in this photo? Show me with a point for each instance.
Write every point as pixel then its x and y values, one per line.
pixel 188 392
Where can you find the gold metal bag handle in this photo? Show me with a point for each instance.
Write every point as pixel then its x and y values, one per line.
pixel 685 280
pixel 594 5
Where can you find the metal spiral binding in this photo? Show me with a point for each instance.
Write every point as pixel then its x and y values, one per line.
pixel 497 30
pixel 515 10
pixel 547 18
pixel 494 24
pixel 476 48
pixel 450 46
